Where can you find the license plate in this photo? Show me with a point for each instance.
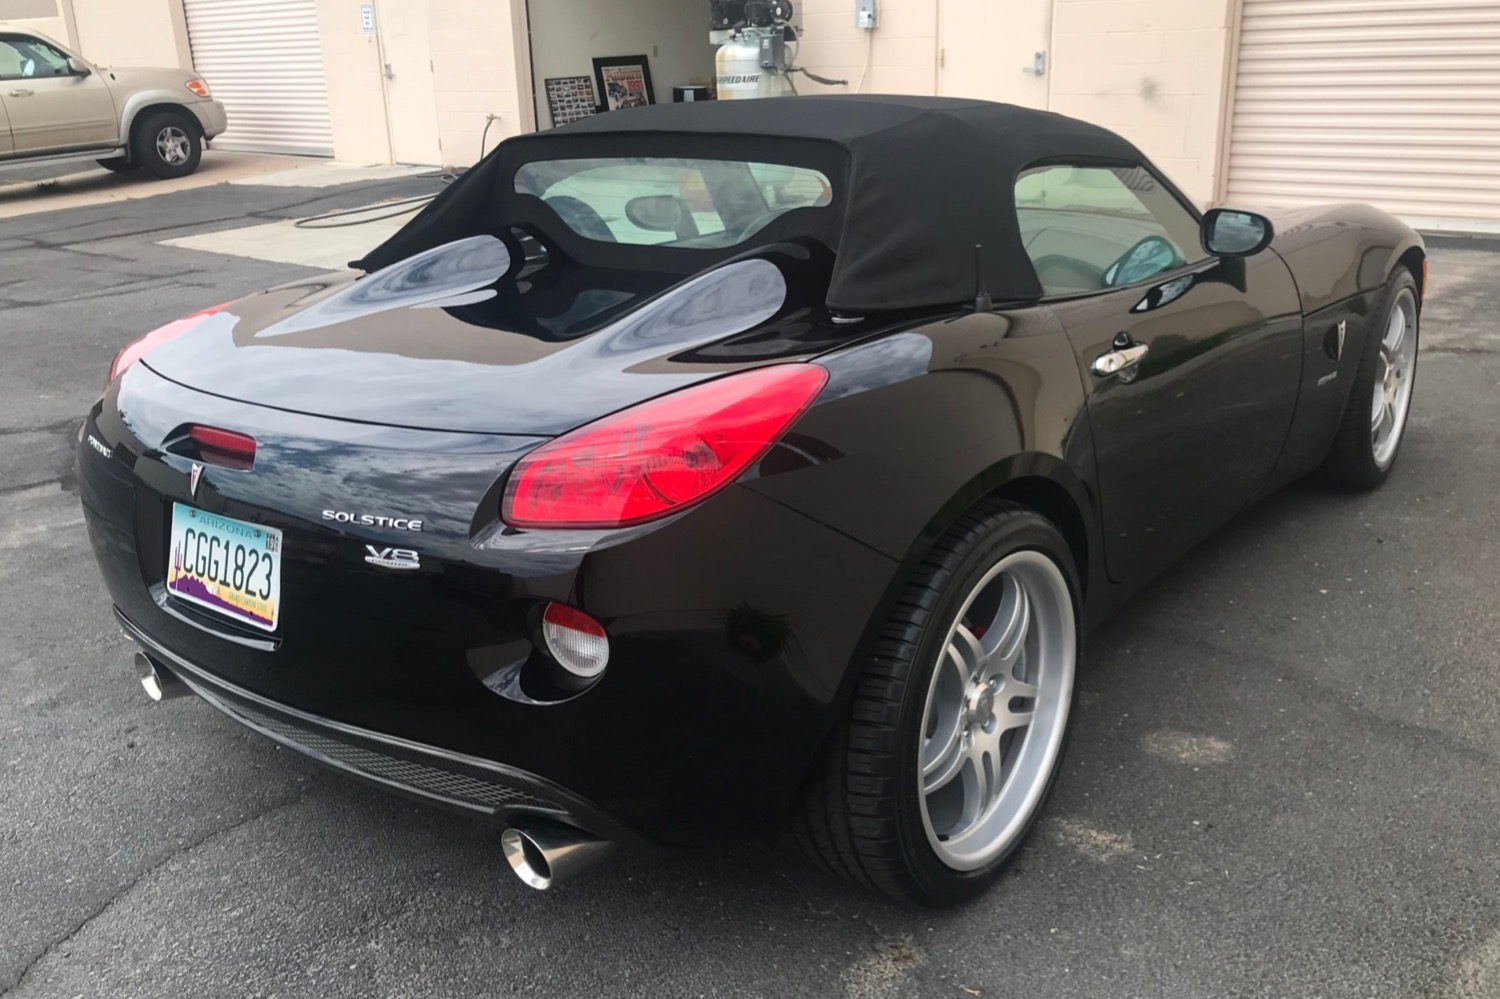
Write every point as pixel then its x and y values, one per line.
pixel 226 565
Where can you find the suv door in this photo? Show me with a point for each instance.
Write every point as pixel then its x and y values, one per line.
pixel 1191 363
pixel 5 144
pixel 52 108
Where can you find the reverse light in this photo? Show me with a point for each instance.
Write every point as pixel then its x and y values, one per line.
pixel 575 640
pixel 224 447
pixel 137 349
pixel 656 458
pixel 199 87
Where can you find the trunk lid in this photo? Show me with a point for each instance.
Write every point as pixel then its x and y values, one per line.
pixel 456 339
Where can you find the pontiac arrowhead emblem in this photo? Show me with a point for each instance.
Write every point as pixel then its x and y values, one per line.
pixel 193 477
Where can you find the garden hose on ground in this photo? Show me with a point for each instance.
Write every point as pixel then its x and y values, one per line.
pixel 343 218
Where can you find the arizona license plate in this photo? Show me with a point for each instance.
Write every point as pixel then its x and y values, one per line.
pixel 228 566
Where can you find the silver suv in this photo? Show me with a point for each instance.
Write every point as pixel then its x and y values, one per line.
pixel 56 105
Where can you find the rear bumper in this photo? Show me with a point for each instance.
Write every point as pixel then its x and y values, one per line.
pixel 428 773
pixel 211 116
pixel 731 630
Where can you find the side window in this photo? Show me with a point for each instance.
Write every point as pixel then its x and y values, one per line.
pixel 1089 228
pixel 10 60
pixel 22 58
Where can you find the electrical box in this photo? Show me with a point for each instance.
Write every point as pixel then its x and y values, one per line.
pixel 865 15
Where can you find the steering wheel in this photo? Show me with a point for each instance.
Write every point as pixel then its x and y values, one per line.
pixel 1151 256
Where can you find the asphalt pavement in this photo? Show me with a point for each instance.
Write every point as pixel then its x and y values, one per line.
pixel 1285 779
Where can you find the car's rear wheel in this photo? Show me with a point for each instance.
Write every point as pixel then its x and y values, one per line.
pixel 167 144
pixel 958 724
pixel 117 164
pixel 1374 422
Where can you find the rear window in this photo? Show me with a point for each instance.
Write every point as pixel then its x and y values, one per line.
pixel 687 203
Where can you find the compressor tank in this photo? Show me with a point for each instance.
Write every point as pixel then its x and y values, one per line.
pixel 740 75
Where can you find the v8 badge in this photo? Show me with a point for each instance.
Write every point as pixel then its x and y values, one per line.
pixel 393 558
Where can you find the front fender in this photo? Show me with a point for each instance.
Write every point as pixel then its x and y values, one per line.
pixel 140 100
pixel 1335 252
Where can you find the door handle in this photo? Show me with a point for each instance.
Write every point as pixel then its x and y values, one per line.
pixel 20 93
pixel 1121 359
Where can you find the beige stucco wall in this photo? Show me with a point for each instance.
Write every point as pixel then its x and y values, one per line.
pixel 113 33
pixel 479 63
pixel 356 99
pixel 52 18
pixel 1153 70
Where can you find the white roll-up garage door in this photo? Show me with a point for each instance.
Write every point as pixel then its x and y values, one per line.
pixel 1394 102
pixel 264 60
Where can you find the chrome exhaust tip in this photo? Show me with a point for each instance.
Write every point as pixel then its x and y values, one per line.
pixel 545 854
pixel 160 683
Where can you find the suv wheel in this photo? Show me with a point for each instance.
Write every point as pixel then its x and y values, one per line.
pixel 167 144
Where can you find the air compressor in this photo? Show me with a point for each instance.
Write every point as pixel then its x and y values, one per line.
pixel 752 59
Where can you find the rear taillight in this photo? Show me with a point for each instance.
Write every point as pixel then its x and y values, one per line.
pixel 199 87
pixel 223 447
pixel 661 456
pixel 137 349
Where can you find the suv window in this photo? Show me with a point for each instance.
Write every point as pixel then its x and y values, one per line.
pixel 1087 229
pixel 23 57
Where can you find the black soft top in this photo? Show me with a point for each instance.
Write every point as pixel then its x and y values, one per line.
pixel 919 182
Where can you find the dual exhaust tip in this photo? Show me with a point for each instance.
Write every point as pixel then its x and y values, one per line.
pixel 160 683
pixel 542 854
pixel 545 854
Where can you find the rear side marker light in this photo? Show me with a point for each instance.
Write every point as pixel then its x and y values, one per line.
pixel 576 641
pixel 137 349
pixel 662 456
pixel 223 447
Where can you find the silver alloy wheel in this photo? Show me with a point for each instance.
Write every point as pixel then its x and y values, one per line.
pixel 1394 369
pixel 173 146
pixel 996 710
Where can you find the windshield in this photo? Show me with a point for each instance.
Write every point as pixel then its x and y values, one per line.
pixel 686 203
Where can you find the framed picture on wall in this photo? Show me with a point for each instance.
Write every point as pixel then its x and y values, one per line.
pixel 624 82
pixel 570 98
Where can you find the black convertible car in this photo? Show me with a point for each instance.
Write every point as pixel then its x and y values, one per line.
pixel 697 468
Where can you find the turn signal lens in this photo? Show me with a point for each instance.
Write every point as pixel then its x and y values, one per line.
pixel 575 640
pixel 224 447
pixel 198 87
pixel 661 456
pixel 138 349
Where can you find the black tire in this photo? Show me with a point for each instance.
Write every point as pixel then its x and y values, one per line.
pixel 159 130
pixel 1351 463
pixel 861 815
pixel 118 164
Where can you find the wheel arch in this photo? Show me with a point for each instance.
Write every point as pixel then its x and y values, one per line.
pixel 1040 482
pixel 1414 259
pixel 141 106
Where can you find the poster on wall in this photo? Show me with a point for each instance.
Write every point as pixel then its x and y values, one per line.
pixel 570 98
pixel 624 82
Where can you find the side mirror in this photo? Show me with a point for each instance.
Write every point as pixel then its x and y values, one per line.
pixel 78 67
pixel 1229 233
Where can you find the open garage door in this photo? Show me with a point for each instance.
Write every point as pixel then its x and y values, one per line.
pixel 264 60
pixel 567 35
pixel 1394 102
